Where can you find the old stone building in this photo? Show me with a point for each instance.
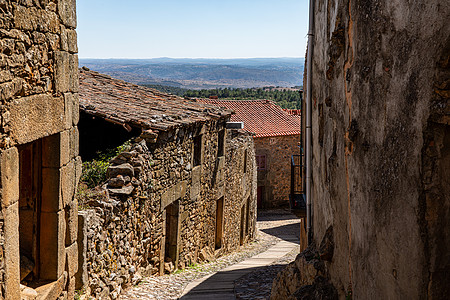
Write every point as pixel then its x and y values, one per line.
pixel 39 161
pixel 380 153
pixel 183 192
pixel 277 136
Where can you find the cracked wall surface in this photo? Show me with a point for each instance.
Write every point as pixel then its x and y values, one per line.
pixel 380 119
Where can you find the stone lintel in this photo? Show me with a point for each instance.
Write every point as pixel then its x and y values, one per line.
pixel 36 117
pixel 173 193
pixel 196 176
pixel 220 191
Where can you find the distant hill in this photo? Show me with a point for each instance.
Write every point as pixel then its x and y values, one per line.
pixel 289 98
pixel 203 73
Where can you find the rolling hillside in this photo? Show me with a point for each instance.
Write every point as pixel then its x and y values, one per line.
pixel 203 73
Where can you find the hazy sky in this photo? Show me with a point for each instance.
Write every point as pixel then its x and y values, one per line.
pixel 192 28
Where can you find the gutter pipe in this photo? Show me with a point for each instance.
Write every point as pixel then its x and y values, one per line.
pixel 308 120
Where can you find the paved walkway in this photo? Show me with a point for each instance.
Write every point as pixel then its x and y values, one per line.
pixel 220 285
pixel 244 274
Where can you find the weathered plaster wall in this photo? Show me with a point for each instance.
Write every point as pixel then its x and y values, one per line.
pixel 380 130
pixel 126 229
pixel 39 101
pixel 276 178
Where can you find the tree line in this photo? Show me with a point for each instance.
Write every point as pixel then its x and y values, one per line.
pixel 285 98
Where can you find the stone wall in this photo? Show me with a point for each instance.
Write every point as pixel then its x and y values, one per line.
pixel 380 120
pixel 276 178
pixel 157 212
pixel 39 160
pixel 240 189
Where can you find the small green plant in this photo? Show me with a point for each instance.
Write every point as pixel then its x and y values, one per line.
pixel 349 295
pixel 94 171
pixel 78 294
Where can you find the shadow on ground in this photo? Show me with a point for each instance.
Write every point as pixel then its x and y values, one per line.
pixel 284 232
pixel 220 286
pixel 275 215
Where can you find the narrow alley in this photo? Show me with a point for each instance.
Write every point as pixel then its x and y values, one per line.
pixel 244 274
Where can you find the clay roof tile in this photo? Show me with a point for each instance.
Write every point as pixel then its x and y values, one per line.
pixel 263 118
pixel 126 103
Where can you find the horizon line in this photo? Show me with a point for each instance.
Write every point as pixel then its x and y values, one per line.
pixel 164 57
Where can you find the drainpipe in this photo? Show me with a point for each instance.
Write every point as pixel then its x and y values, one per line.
pixel 308 120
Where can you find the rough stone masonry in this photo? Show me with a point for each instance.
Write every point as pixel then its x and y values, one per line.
pixel 39 162
pixel 127 231
pixel 184 192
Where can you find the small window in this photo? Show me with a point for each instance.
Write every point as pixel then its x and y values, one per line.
pixel 261 162
pixel 221 143
pixel 245 161
pixel 197 150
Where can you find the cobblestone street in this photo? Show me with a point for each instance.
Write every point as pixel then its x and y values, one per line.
pixel 274 226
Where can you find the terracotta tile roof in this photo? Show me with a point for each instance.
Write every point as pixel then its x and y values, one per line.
pixel 128 104
pixel 263 118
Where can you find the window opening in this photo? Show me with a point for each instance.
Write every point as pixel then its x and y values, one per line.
pixel 261 162
pixel 197 150
pixel 221 143
pixel 245 161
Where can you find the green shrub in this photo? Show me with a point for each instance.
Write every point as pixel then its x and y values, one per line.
pixel 94 171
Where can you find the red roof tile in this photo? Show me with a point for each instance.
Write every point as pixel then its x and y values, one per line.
pixel 124 103
pixel 263 118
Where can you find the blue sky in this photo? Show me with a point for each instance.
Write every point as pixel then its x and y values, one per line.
pixel 192 28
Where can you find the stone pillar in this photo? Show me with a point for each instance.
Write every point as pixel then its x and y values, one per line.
pixel 9 168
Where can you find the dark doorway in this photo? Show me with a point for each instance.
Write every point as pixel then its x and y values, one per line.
pixel 219 223
pixel 30 183
pixel 260 196
pixel 241 236
pixel 247 222
pixel 98 135
pixel 172 233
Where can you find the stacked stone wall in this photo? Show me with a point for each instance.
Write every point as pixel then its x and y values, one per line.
pixel 276 178
pixel 240 185
pixel 39 104
pixel 125 220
